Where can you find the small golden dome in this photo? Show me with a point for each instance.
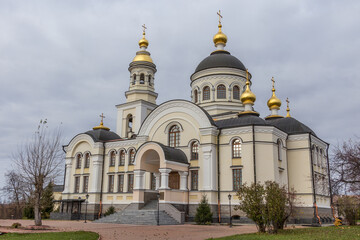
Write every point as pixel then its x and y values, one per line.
pixel 274 102
pixel 220 37
pixel 101 126
pixel 248 97
pixel 287 109
pixel 143 42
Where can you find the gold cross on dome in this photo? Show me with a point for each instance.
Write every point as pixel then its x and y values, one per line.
pixel 102 117
pixel 220 17
pixel 144 28
pixel 287 100
pixel 273 81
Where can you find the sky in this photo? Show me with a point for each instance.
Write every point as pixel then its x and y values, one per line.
pixel 67 61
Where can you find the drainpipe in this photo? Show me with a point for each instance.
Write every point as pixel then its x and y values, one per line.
pixel 254 156
pixel 102 180
pixel 218 173
pixel 316 216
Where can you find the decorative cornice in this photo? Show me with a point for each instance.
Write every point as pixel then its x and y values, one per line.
pixel 318 142
pixel 209 131
pixel 236 131
pixel 298 137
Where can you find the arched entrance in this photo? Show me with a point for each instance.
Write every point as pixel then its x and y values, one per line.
pixel 160 169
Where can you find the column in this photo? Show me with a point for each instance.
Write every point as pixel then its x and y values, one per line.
pixel 96 173
pixel 164 178
pixel 68 175
pixel 183 180
pixel 208 171
pixel 139 179
pixel 157 180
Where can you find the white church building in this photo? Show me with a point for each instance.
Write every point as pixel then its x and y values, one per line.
pixel 175 152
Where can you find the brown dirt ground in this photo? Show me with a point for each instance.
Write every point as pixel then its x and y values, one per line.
pixel 122 231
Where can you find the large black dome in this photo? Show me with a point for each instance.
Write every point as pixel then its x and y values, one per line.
pixel 220 58
pixel 290 125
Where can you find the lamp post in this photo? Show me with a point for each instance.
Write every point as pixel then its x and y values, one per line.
pixel 158 210
pixel 86 203
pixel 229 196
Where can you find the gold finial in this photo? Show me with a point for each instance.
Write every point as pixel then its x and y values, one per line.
pixel 220 37
pixel 287 109
pixel 101 126
pixel 143 42
pixel 247 97
pixel 273 102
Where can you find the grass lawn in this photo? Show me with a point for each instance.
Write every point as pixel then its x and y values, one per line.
pixel 80 235
pixel 342 232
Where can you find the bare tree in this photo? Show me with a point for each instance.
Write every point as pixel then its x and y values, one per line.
pixel 38 163
pixel 345 167
pixel 16 188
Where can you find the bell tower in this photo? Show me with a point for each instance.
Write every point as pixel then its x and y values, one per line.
pixel 141 96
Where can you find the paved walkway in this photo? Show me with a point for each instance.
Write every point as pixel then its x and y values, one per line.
pixel 120 231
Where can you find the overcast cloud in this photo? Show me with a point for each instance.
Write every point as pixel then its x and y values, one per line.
pixel 67 60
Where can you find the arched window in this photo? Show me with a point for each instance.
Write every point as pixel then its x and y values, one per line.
pixel 131 157
pixel 195 96
pixel 279 149
pixel 320 161
pixel 122 158
pixel 174 136
pixel 317 159
pixel 236 148
pixel 112 159
pixel 142 78
pixel 149 79
pixel 78 161
pixel 129 123
pixel 221 92
pixel 87 160
pixel 236 92
pixel 194 151
pixel 206 93
pixel 134 79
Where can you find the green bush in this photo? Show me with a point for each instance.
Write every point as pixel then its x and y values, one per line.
pixel 29 212
pixel 109 211
pixel 16 225
pixel 203 212
pixel 348 207
pixel 269 205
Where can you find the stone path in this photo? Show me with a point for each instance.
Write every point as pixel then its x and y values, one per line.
pixel 119 231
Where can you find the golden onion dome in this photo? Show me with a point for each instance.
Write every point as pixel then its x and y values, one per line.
pixel 274 102
pixel 220 37
pixel 248 97
pixel 143 42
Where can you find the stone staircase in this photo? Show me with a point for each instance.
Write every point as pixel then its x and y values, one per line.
pixel 145 216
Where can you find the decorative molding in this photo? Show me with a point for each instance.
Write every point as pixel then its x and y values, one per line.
pixel 209 131
pixel 78 138
pixel 174 106
pixel 298 137
pixel 236 131
pixel 318 142
pixel 123 143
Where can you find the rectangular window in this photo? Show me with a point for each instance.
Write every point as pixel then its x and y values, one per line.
pixel 130 182
pixel 121 183
pixel 237 179
pixel 111 183
pixel 194 180
pixel 86 184
pixel 77 184
pixel 122 158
